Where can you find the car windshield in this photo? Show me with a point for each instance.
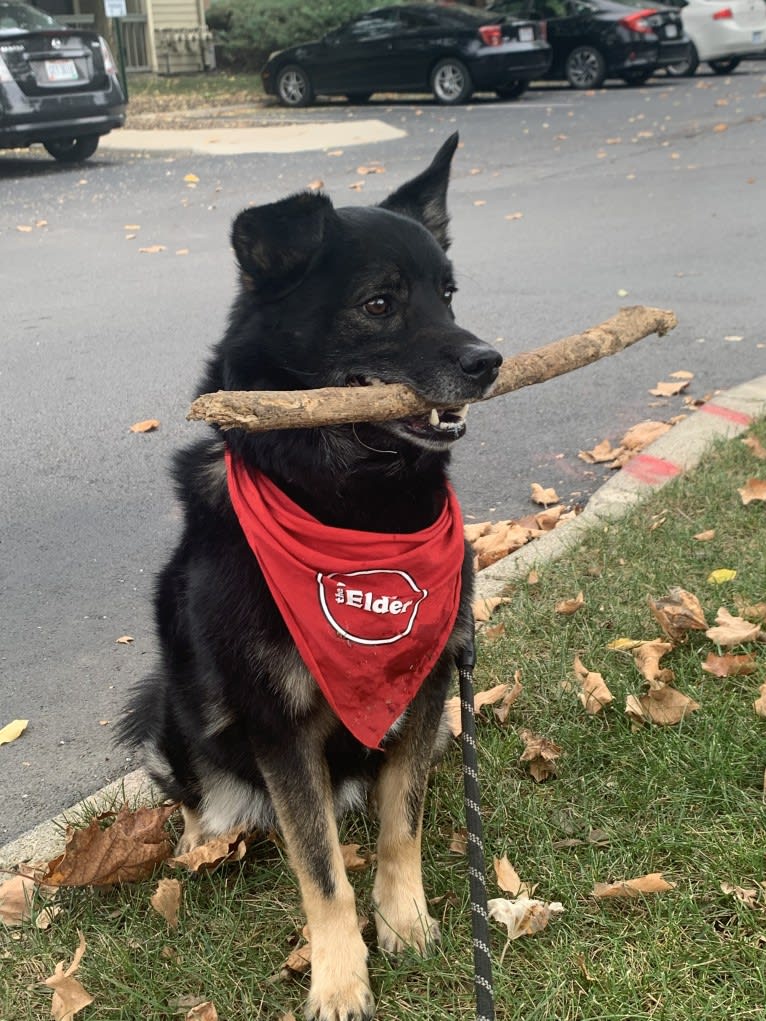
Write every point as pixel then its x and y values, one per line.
pixel 15 18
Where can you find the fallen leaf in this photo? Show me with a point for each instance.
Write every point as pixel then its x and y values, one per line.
pixel 602 452
pixel 651 883
pixel 664 706
pixel 153 249
pixel 569 606
pixel 459 842
pixel 230 846
pixel 624 644
pixel 354 861
pixel 132 226
pixel 374 168
pixel 523 916
pixel 729 665
pixel 720 127
pixel 721 576
pixel 508 878
pixel 495 632
pixel 166 900
pixel 12 731
pixel 731 630
pixel 753 489
pixel 508 699
pixel 642 434
pixel 182 251
pixel 504 538
pixel 745 895
pixel 69 996
pixel 594 694
pixel 124 640
pixel 543 496
pixel 752 611
pixel 670 389
pixel 733 338
pixel 682 374
pixel 760 705
pixel 705 536
pixel 16 896
pixel 484 608
pixel 678 612
pixel 125 851
pixel 24 228
pixel 546 520
pixel 756 447
pixel 541 754
pixel 191 179
pixel 474 531
pixel 147 426
pixel 316 184
pixel 356 185
pixel 513 216
pixel 490 696
pixel 647 658
pixel 203 1012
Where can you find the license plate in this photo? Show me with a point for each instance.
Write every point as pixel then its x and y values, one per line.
pixel 526 34
pixel 757 37
pixel 61 70
pixel 671 31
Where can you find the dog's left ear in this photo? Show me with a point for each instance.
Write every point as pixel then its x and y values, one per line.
pixel 424 198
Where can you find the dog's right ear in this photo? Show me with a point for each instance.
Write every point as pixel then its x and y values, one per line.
pixel 276 244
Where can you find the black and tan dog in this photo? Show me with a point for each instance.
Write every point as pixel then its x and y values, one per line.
pixel 310 615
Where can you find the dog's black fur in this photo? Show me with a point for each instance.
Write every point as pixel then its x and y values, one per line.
pixel 231 724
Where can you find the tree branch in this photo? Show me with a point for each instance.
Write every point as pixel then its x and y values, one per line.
pixel 261 410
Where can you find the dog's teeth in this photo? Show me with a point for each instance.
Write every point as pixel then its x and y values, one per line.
pixel 434 418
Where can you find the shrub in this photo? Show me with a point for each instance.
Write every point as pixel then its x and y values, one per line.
pixel 247 31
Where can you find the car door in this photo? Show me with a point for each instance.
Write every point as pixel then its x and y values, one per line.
pixel 567 25
pixel 358 56
pixel 419 43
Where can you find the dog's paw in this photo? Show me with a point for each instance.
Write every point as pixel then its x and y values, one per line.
pixel 352 1001
pixel 193 835
pixel 405 924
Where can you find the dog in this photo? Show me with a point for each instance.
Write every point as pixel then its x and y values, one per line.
pixel 303 666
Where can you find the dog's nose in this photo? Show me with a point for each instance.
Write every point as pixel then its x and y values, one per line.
pixel 480 362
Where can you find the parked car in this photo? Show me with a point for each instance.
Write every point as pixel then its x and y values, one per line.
pixel 722 32
pixel 58 85
pixel 593 40
pixel 448 50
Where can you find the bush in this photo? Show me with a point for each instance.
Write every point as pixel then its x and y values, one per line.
pixel 247 31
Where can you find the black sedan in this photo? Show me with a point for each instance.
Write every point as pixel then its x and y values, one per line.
pixel 450 51
pixel 58 85
pixel 597 39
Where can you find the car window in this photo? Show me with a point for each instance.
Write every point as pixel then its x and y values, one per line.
pixel 554 8
pixel 22 18
pixel 375 25
pixel 419 19
pixel 515 8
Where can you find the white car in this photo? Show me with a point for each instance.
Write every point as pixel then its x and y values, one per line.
pixel 722 32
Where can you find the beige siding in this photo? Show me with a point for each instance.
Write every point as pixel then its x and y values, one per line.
pixel 175 14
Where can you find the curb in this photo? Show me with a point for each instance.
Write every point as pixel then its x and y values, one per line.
pixel 729 414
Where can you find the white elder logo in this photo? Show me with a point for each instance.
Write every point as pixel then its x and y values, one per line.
pixel 375 607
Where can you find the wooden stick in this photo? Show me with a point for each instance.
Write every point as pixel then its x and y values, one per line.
pixel 261 410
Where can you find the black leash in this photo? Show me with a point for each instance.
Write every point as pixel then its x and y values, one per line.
pixel 482 961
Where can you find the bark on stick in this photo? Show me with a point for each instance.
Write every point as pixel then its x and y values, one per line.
pixel 261 410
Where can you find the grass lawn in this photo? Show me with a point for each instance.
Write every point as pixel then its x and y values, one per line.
pixel 685 800
pixel 151 93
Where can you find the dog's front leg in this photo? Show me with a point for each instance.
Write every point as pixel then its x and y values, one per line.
pixel 302 798
pixel 401 912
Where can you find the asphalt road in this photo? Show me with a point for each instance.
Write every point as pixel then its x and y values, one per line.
pixel 654 195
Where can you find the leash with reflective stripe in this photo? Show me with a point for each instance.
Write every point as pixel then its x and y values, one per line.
pixel 482 961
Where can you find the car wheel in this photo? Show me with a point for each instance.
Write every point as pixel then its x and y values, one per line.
pixel 358 97
pixel 636 77
pixel 513 90
pixel 294 87
pixel 724 66
pixel 685 68
pixel 451 82
pixel 72 150
pixel 585 68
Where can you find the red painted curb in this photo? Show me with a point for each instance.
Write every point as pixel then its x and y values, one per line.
pixel 728 413
pixel 653 471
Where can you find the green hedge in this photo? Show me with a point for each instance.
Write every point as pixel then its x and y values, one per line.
pixel 247 31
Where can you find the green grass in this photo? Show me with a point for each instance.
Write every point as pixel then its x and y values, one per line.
pixel 684 800
pixel 161 93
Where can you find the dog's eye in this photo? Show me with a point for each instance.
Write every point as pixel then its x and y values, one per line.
pixel 380 305
pixel 448 292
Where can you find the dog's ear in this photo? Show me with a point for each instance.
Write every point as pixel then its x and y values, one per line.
pixel 276 243
pixel 424 198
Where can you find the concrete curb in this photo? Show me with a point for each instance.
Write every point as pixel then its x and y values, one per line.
pixel 730 413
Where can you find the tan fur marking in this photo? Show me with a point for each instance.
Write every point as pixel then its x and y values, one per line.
pixel 402 917
pixel 193 834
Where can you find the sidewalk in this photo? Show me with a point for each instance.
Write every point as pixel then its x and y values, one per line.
pixel 727 415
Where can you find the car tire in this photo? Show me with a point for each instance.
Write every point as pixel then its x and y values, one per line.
pixel 294 87
pixel 585 68
pixel 451 82
pixel 636 77
pixel 72 150
pixel 685 68
pixel 724 66
pixel 513 89
pixel 358 97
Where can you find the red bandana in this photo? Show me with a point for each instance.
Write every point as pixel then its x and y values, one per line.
pixel 369 612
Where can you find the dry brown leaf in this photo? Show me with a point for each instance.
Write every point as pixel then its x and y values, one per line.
pixel 731 630
pixel 533 578
pixel 602 452
pixel 651 883
pixel 595 694
pixel 298 960
pixel 203 1012
pixel 524 916
pixel 498 693
pixel 484 608
pixel 147 426
pixel 508 699
pixel 569 606
pixel 647 658
pixel 459 842
pixel 541 754
pixel 475 530
pixel 543 496
pixel 664 706
pixel 16 896
pixel 356 185
pixel 353 860
pixel 69 997
pixel 753 489
pixel 231 846
pixel 316 184
pixel 757 449
pixel 491 634
pixel 747 895
pixel 508 878
pixel 751 611
pixel 374 168
pixel 166 900
pixel 678 612
pixel 637 438
pixel 127 850
pixel 12 731
pixel 667 389
pixel 705 536
pixel 730 665
pixel 504 538
pixel 124 640
pixel 153 249
pixel 547 520
pixel 760 706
